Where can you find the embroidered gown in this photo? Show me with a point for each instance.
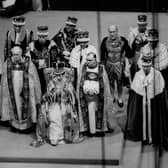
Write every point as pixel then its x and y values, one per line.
pixel 104 111
pixel 58 116
pixel 65 41
pixel 21 93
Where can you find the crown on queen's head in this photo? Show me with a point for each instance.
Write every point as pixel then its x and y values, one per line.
pixel 42 30
pixel 71 21
pixel 59 68
pixel 142 19
pixel 18 20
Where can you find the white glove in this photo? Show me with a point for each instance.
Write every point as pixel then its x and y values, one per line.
pixel 42 63
pixel 91 87
pixel 127 68
pixel 66 53
pixel 138 39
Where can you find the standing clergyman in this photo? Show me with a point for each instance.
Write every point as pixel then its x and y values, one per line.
pixel 21 93
pixel 95 100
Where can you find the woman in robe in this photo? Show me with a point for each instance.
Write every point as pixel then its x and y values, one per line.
pixel 58 120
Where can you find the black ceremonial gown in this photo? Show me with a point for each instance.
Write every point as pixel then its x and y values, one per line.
pixel 148 122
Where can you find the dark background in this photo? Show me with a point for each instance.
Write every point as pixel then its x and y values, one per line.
pixel 111 5
pixel 21 6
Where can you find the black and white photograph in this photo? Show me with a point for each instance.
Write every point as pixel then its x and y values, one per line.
pixel 83 84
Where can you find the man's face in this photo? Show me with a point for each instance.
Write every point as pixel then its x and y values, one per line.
pixel 153 44
pixel 16 55
pixel 17 28
pixel 146 69
pixel 142 28
pixel 83 44
pixel 69 28
pixel 54 53
pixel 91 60
pixel 42 38
pixel 113 32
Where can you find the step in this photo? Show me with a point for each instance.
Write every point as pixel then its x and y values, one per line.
pixel 16 149
pixel 164 160
pixel 131 154
pixel 136 156
pixel 26 165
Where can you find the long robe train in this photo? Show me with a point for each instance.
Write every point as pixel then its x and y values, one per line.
pixel 58 119
pixel 159 125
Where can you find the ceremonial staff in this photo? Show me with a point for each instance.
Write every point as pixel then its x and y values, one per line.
pixel 158 149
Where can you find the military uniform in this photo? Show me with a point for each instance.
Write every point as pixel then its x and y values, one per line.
pixel 65 40
pixel 113 54
pixel 137 40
